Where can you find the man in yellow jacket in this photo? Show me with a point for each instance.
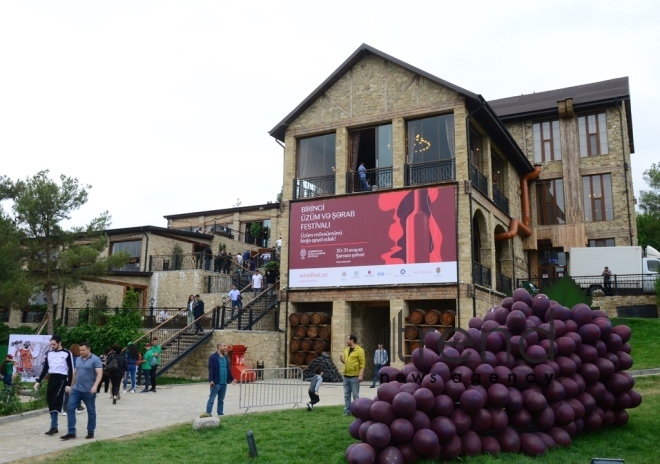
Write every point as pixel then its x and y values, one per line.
pixel 354 361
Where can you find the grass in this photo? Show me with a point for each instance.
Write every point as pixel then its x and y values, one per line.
pixel 177 381
pixel 644 341
pixel 297 436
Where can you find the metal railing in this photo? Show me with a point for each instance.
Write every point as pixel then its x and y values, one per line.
pixel 479 181
pixel 431 172
pixel 376 179
pixel 270 387
pixel 501 201
pixel 178 262
pixel 151 316
pixel 620 284
pixel 314 186
pixel 481 274
pixel 503 284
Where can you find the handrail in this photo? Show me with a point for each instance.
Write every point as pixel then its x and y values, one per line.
pixel 160 326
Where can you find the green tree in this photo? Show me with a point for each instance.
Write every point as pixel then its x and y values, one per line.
pixel 648 230
pixel 15 289
pixel 54 256
pixel 649 200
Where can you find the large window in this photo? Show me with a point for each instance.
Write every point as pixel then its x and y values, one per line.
pixel 597 194
pixel 316 156
pixel 601 242
pixel 547 146
pixel 550 202
pixel 593 135
pixel 134 250
pixel 431 139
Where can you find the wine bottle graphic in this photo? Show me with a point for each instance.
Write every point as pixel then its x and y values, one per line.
pixel 418 244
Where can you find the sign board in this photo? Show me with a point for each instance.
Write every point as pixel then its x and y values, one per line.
pixel 29 352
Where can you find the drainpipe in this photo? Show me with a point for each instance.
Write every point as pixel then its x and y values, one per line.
pixel 516 226
pixel 458 284
pixel 146 251
pixel 625 168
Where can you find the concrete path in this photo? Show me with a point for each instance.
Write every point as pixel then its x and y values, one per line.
pixel 135 413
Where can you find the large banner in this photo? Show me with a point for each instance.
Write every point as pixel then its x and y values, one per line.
pixel 29 353
pixel 396 237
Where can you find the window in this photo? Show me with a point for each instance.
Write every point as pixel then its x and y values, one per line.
pixel 431 139
pixel 550 202
pixel 547 146
pixel 597 193
pixel 316 156
pixel 593 135
pixel 134 250
pixel 373 147
pixel 601 242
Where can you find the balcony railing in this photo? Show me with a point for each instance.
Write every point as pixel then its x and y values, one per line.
pixel 376 179
pixel 314 186
pixel 503 284
pixel 479 181
pixel 151 317
pixel 481 274
pixel 181 262
pixel 500 200
pixel 431 172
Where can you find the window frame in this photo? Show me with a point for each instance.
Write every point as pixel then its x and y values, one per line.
pixel 134 261
pixel 600 242
pixel 584 135
pixel 315 165
pixel 445 129
pixel 592 200
pixel 542 152
pixel 542 203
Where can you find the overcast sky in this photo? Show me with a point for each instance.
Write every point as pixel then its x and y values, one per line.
pixel 164 107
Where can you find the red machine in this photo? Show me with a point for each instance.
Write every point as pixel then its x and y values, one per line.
pixel 237 356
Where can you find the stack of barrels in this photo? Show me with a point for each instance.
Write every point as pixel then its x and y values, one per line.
pixel 420 322
pixel 310 336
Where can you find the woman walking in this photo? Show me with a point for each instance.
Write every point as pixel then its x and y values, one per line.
pixel 116 374
pixel 132 359
pixel 190 307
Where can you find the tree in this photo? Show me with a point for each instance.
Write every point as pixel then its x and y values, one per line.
pixel 648 222
pixel 279 195
pixel 15 289
pixel 648 230
pixel 56 257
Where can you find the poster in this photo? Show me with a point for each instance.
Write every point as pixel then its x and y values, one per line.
pixel 29 352
pixel 394 237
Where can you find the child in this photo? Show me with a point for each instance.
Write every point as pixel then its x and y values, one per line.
pixel 314 388
pixel 7 370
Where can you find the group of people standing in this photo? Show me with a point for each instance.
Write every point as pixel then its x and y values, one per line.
pixel 195 310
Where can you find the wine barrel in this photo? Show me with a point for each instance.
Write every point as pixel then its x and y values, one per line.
pixel 319 318
pixel 294 345
pixel 432 317
pixel 448 317
pixel 304 318
pixel 300 331
pixel 320 345
pixel 411 332
pixel 309 357
pixel 417 316
pixel 312 331
pixel 413 346
pixel 294 319
pixel 324 332
pixel 306 344
pixel 298 358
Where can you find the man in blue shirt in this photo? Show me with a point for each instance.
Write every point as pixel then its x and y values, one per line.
pixel 87 376
pixel 219 377
pixel 362 171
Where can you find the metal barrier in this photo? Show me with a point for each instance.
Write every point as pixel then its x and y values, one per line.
pixel 273 386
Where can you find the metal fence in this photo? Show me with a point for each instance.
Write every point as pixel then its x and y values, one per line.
pixel 629 284
pixel 151 317
pixel 271 387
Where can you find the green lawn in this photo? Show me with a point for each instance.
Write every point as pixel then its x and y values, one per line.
pixel 645 341
pixel 298 436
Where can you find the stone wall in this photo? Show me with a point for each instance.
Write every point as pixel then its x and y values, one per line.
pixel 610 303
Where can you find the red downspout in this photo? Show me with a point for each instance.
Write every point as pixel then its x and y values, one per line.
pixel 517 227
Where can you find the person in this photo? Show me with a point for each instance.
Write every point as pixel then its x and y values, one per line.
pixel 380 359
pixel 607 279
pixel 190 309
pixel 162 316
pixel 246 257
pixel 239 262
pixel 75 352
pixel 59 368
pixel 271 278
pixel 251 265
pixel 257 280
pixel 219 376
pixel 208 255
pixel 354 361
pixel 362 172
pixel 226 266
pixel 7 370
pixel 87 377
pixel 199 312
pixel 217 262
pixel 132 359
pixel 146 367
pixel 117 374
pixel 278 244
pixel 106 378
pixel 314 386
pixel 235 297
pixel 156 350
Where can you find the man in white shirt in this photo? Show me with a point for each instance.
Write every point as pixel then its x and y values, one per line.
pixel 380 359
pixel 59 368
pixel 235 297
pixel 257 280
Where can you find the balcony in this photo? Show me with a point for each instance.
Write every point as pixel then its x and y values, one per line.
pixel 479 181
pixel 429 173
pixel 377 179
pixel 500 200
pixel 314 186
pixel 481 274
pixel 503 284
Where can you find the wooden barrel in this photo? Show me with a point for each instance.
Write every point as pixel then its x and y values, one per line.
pixel 427 330
pixel 306 344
pixel 417 316
pixel 309 357
pixel 298 358
pixel 300 331
pixel 432 317
pixel 319 318
pixel 304 318
pixel 448 317
pixel 324 332
pixel 294 319
pixel 411 332
pixel 294 345
pixel 413 346
pixel 320 345
pixel 312 331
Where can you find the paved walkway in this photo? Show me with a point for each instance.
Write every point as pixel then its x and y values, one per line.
pixel 134 413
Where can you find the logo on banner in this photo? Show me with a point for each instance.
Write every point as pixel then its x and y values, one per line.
pixel 303 253
pixel 437 270
pixel 402 271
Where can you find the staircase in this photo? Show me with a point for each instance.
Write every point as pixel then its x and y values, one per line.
pixel 260 313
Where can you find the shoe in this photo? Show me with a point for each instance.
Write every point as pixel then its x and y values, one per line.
pixel 89 436
pixel 309 406
pixel 133 391
pixel 144 391
pixel 119 395
pixel 68 436
pixel 79 410
pixel 52 431
pixel 373 386
pixel 124 391
pixel 114 400
pixel 64 413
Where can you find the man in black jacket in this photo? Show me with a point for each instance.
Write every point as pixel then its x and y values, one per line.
pixel 59 367
pixel 198 312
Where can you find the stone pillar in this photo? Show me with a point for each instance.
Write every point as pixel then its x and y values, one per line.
pixel 398 152
pixel 341 328
pixel 341 160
